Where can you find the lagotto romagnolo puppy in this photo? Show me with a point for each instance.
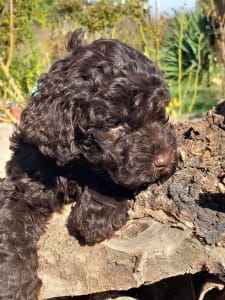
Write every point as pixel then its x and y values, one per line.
pixel 94 131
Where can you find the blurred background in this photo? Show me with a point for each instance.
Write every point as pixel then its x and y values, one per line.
pixel 186 39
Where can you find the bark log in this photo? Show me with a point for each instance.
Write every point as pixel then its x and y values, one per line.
pixel 174 228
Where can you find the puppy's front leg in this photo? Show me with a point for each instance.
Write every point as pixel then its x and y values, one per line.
pixel 95 217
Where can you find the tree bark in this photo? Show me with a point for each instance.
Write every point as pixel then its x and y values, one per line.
pixel 174 228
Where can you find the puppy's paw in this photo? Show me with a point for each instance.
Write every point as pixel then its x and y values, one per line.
pixel 95 217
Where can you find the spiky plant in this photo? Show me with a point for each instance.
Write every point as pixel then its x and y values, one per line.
pixel 186 47
pixel 186 56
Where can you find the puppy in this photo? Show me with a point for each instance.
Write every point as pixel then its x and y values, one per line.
pixel 94 131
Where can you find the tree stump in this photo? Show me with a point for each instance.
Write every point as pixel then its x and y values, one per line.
pixel 175 228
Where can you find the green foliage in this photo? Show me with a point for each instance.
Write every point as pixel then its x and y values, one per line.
pixel 113 19
pixel 21 59
pixel 32 34
pixel 94 15
pixel 187 56
pixel 194 47
pixel 25 14
pixel 26 71
pixel 202 4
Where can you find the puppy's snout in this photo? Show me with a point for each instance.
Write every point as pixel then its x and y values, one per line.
pixel 162 161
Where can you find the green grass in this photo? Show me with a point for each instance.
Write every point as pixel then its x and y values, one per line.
pixel 206 98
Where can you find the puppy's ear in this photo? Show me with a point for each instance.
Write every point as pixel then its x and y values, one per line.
pixel 47 122
pixel 75 39
pixel 95 217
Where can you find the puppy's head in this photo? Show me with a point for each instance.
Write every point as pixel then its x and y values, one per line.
pixel 135 158
pixel 105 103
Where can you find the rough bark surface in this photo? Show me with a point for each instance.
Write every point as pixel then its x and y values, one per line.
pixel 195 195
pixel 174 228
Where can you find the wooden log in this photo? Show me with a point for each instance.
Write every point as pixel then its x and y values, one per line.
pixel 175 228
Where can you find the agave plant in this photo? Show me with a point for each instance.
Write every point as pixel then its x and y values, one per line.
pixel 186 55
pixel 186 47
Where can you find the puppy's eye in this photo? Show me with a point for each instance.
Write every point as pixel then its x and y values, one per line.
pixel 87 143
pixel 112 122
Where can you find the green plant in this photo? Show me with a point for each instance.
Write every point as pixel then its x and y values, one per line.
pixel 96 16
pixel 182 46
pixel 114 19
pixel 20 58
pixel 149 33
pixel 187 55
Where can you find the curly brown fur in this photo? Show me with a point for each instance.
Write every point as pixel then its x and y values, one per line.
pixel 18 233
pixel 98 122
pixel 29 194
pixel 87 219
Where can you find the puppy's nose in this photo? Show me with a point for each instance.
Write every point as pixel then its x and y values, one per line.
pixel 162 161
